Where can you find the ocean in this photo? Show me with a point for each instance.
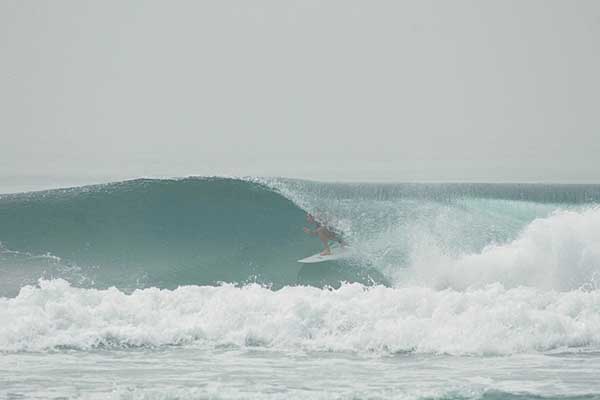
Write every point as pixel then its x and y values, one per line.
pixel 190 289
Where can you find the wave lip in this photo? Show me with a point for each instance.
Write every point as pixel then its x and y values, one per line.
pixel 353 318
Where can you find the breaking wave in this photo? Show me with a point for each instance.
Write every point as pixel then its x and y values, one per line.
pixel 456 269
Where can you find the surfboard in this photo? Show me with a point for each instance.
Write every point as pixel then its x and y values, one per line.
pixel 337 253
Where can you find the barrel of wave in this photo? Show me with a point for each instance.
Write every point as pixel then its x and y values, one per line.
pixel 163 233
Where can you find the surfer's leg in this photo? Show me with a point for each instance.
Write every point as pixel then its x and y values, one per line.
pixel 324 236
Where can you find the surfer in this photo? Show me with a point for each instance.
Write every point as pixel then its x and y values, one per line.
pixel 324 232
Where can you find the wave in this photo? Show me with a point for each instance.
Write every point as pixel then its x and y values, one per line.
pixel 455 269
pixel 161 233
pixel 203 231
pixel 354 318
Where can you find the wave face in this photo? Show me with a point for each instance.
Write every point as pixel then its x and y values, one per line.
pixel 167 233
pixel 162 233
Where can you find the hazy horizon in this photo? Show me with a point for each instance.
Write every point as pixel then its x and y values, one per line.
pixel 463 91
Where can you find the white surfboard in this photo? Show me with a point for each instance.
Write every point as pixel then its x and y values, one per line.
pixel 337 253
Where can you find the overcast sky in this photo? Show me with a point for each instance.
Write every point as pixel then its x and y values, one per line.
pixel 332 90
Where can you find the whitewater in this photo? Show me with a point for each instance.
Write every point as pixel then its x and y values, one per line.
pixel 190 288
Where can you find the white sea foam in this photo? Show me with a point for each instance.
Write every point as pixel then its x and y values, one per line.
pixel 490 320
pixel 560 252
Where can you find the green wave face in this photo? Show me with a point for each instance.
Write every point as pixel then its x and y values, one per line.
pixel 162 233
pixel 199 231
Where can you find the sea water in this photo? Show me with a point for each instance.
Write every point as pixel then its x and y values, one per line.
pixel 190 288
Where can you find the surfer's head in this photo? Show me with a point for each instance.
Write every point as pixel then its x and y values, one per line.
pixel 309 218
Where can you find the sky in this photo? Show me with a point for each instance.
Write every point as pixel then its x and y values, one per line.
pixel 417 90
